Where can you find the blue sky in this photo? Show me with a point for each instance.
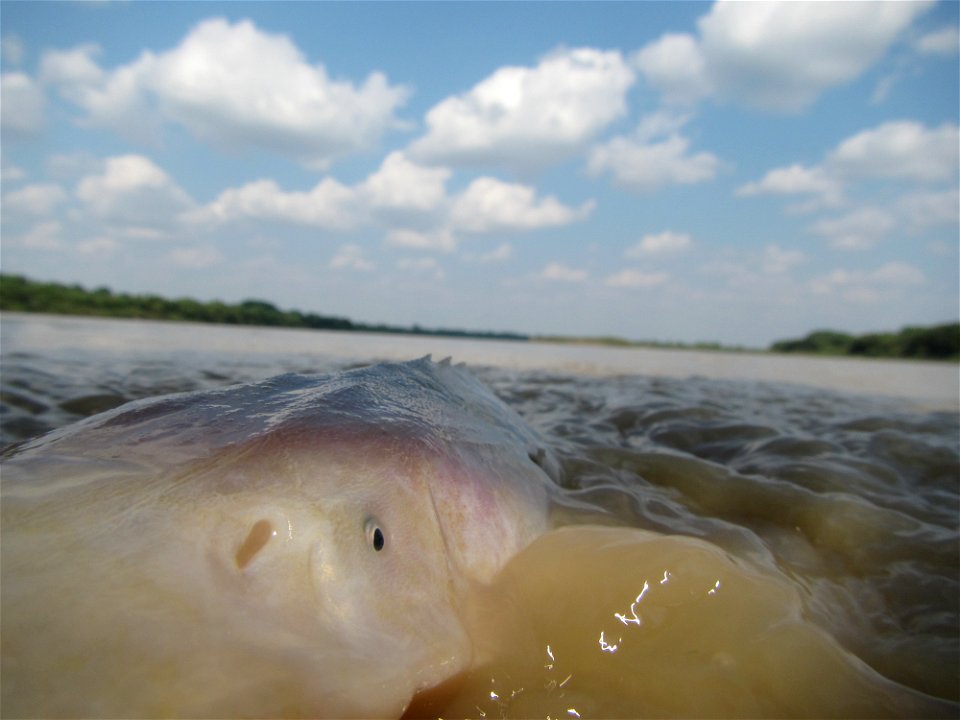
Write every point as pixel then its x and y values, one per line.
pixel 671 171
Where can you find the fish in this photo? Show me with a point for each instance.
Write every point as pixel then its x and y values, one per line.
pixel 303 546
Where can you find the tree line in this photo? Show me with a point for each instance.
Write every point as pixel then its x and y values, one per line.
pixel 939 342
pixel 20 294
pixel 17 293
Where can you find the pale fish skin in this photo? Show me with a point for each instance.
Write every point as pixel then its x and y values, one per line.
pixel 303 546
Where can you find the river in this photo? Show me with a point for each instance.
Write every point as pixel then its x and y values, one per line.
pixel 823 491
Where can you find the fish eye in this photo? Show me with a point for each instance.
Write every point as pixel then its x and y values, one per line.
pixel 375 535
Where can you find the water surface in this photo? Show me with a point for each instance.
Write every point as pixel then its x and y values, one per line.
pixel 794 520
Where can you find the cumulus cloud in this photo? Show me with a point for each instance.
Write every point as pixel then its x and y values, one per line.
pixel 409 200
pixel 40 199
pixel 69 167
pixel 132 189
pixel 352 257
pixel 201 256
pixel 796 180
pixel 22 109
pixel 43 236
pixel 118 100
pixel 897 273
pixel 501 253
pixel 642 166
pixel 766 269
pixel 777 261
pixel 900 149
pixel 74 72
pixel 859 230
pixel 328 205
pixel 676 65
pixel 233 85
pixel 398 190
pixel 774 56
pixel 11 173
pixel 867 287
pixel 12 49
pixel 665 243
pixel 526 118
pixel 491 205
pixel 945 41
pixel 421 266
pixel 563 273
pixel 100 245
pixel 402 185
pixel 925 209
pixel 632 278
pixel 442 239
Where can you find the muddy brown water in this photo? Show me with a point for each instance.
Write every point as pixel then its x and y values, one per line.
pixel 769 547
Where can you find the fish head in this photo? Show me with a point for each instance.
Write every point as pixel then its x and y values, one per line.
pixel 303 546
pixel 331 552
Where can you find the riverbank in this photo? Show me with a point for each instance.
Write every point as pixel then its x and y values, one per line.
pixel 20 294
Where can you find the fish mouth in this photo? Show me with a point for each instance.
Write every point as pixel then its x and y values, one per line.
pixel 431 702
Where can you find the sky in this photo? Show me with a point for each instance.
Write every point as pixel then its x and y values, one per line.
pixel 730 172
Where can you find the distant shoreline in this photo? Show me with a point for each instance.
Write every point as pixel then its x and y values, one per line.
pixel 19 294
pixel 916 384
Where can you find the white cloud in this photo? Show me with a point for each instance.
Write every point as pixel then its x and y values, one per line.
pixel 644 167
pixel 12 48
pixel 118 100
pixel 69 167
pixel 796 180
pixel 563 273
pixel 943 249
pixel 400 184
pixel 931 208
pixel 21 111
pixel 142 233
pixel 491 205
pixel 774 56
pixel 39 199
pixel 132 189
pixel 526 118
pixel 868 287
pixel 765 270
pixel 352 257
pixel 43 236
pixel 675 64
pixel 11 173
pixel 101 245
pixel 896 151
pixel 631 278
pixel 74 72
pixel 660 124
pixel 422 266
pixel 777 261
pixel 442 240
pixel 945 41
pixel 202 256
pixel 328 205
pixel 397 195
pixel 665 243
pixel 501 253
pixel 896 273
pixel 858 230
pixel 900 149
pixel 232 85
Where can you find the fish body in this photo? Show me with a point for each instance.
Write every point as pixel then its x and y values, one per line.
pixel 302 546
